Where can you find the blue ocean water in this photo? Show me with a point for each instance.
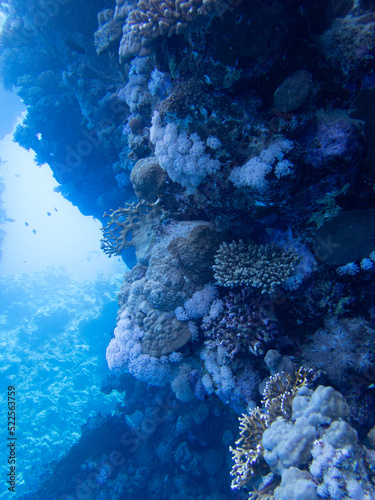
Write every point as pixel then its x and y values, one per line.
pixel 221 342
pixel 54 330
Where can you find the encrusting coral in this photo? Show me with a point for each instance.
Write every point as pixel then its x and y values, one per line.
pixel 163 334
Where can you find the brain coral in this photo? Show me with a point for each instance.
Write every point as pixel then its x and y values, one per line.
pixel 164 334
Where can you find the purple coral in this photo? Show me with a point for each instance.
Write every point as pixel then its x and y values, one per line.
pixel 243 324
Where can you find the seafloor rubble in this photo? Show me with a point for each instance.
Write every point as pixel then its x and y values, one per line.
pixel 230 145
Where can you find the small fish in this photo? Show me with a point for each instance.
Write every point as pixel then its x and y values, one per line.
pixel 26 224
pixel 49 214
pixel 3 220
pixel 55 209
pixel 34 231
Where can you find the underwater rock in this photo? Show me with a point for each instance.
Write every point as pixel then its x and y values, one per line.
pixel 293 92
pixel 365 111
pixel 347 237
pixel 167 287
pixel 147 177
pixel 349 44
pixel 196 251
pixel 109 31
pixel 212 461
pixel 334 139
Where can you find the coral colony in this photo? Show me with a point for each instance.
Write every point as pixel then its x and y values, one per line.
pixel 230 147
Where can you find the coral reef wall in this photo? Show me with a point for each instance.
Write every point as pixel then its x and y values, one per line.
pixel 228 147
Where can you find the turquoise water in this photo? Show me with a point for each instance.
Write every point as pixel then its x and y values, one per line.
pixel 54 330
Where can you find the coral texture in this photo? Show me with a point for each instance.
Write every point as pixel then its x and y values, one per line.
pixel 152 19
pixel 241 324
pixel 288 442
pixel 264 266
pixel 183 156
pixel 238 136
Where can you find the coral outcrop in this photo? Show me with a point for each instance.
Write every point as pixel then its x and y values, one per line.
pixel 264 267
pixel 151 19
pixel 287 439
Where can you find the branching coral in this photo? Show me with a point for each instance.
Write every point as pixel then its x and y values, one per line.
pixel 152 19
pixel 130 227
pixel 281 389
pixel 263 266
pixel 241 324
pixel 249 451
pixel 278 397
